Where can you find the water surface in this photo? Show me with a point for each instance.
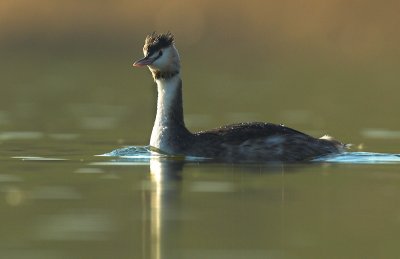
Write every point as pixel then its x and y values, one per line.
pixel 58 200
pixel 66 100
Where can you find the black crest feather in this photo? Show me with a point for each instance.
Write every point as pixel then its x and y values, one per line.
pixel 155 42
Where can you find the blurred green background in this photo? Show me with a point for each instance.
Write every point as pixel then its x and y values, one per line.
pixel 318 66
pixel 69 91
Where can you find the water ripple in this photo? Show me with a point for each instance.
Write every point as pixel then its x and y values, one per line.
pixel 361 158
pixel 132 152
pixel 144 154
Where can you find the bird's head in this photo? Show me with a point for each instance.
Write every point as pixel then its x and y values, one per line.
pixel 160 54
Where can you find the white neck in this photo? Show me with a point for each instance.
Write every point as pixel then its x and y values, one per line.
pixel 169 119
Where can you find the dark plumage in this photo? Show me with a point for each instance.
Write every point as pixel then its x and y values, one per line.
pixel 155 42
pixel 249 142
pixel 258 141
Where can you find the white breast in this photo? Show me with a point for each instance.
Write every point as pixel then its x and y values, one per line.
pixel 160 135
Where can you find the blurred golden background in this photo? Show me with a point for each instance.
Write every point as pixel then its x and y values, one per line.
pixel 68 92
pixel 355 30
pixel 320 66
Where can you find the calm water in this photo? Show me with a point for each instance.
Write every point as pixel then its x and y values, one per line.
pixel 59 110
pixel 58 200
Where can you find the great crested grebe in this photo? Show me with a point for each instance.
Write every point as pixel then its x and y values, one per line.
pixel 254 141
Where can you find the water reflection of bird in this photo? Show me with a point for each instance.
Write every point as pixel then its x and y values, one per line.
pixel 254 141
